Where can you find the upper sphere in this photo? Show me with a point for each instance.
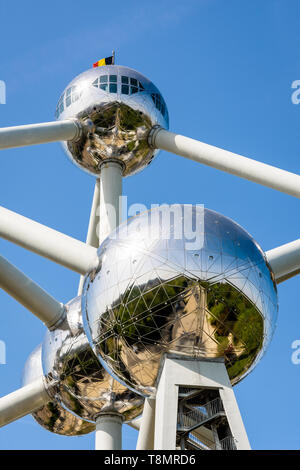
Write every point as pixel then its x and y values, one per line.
pixel 183 280
pixel 120 106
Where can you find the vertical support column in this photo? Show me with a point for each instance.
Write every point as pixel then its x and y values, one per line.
pixel 146 434
pixel 109 431
pixel 110 197
pixel 109 423
pixel 194 373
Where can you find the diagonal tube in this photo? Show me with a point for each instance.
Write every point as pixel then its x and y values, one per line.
pixel 92 234
pixel 30 294
pixel 47 242
pixel 224 160
pixel 33 134
pixel 285 260
pixel 23 401
pixel 146 435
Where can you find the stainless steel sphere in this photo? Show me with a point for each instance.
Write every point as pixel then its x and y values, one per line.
pixel 120 106
pixel 159 289
pixel 83 386
pixel 53 416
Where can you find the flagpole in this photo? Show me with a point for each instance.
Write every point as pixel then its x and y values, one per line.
pixel 113 56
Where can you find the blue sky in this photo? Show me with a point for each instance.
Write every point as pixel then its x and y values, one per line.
pixel 225 70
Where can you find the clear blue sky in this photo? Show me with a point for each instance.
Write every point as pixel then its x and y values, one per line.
pixel 225 70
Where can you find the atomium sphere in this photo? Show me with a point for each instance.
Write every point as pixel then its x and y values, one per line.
pixel 52 416
pixel 120 106
pixel 81 384
pixel 179 279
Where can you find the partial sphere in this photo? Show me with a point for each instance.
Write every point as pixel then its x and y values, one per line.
pixel 183 280
pixel 52 416
pixel 118 106
pixel 75 377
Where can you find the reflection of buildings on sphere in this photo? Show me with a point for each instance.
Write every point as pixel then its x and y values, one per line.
pixel 156 295
pixel 120 106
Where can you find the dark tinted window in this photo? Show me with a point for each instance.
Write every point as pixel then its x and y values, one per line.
pixel 135 87
pixel 113 88
pixel 133 90
pixel 133 81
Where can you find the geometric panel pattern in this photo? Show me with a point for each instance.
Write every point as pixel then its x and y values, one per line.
pixel 75 376
pixel 157 290
pixel 53 416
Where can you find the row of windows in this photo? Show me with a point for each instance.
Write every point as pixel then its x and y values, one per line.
pixel 159 103
pixel 129 85
pixel 70 96
pixel 109 83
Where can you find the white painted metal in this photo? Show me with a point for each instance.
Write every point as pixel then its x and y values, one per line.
pixel 23 401
pixel 109 431
pixel 92 238
pixel 136 423
pixel 193 373
pixel 32 134
pixel 285 260
pixel 92 234
pixel 110 198
pixel 146 435
pixel 30 294
pixel 238 165
pixel 109 425
pixel 47 242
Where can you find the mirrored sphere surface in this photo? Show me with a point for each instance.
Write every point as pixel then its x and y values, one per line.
pixel 121 106
pixel 182 280
pixel 53 416
pixel 83 386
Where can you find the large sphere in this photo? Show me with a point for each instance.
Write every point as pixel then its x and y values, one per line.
pixel 121 106
pixel 52 416
pixel 83 386
pixel 159 290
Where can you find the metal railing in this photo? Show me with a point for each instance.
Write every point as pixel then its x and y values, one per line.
pixel 190 419
pixel 228 443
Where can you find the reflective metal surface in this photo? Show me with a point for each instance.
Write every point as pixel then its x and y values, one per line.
pixel 83 385
pixel 159 290
pixel 120 106
pixel 53 416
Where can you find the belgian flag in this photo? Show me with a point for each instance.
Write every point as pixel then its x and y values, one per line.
pixel 105 61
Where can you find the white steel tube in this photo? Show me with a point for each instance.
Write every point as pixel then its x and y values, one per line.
pixel 23 401
pixel 135 423
pixel 146 435
pixel 285 260
pixel 109 425
pixel 47 242
pixel 224 160
pixel 29 294
pixel 109 431
pixel 32 134
pixel 92 234
pixel 92 238
pixel 110 198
